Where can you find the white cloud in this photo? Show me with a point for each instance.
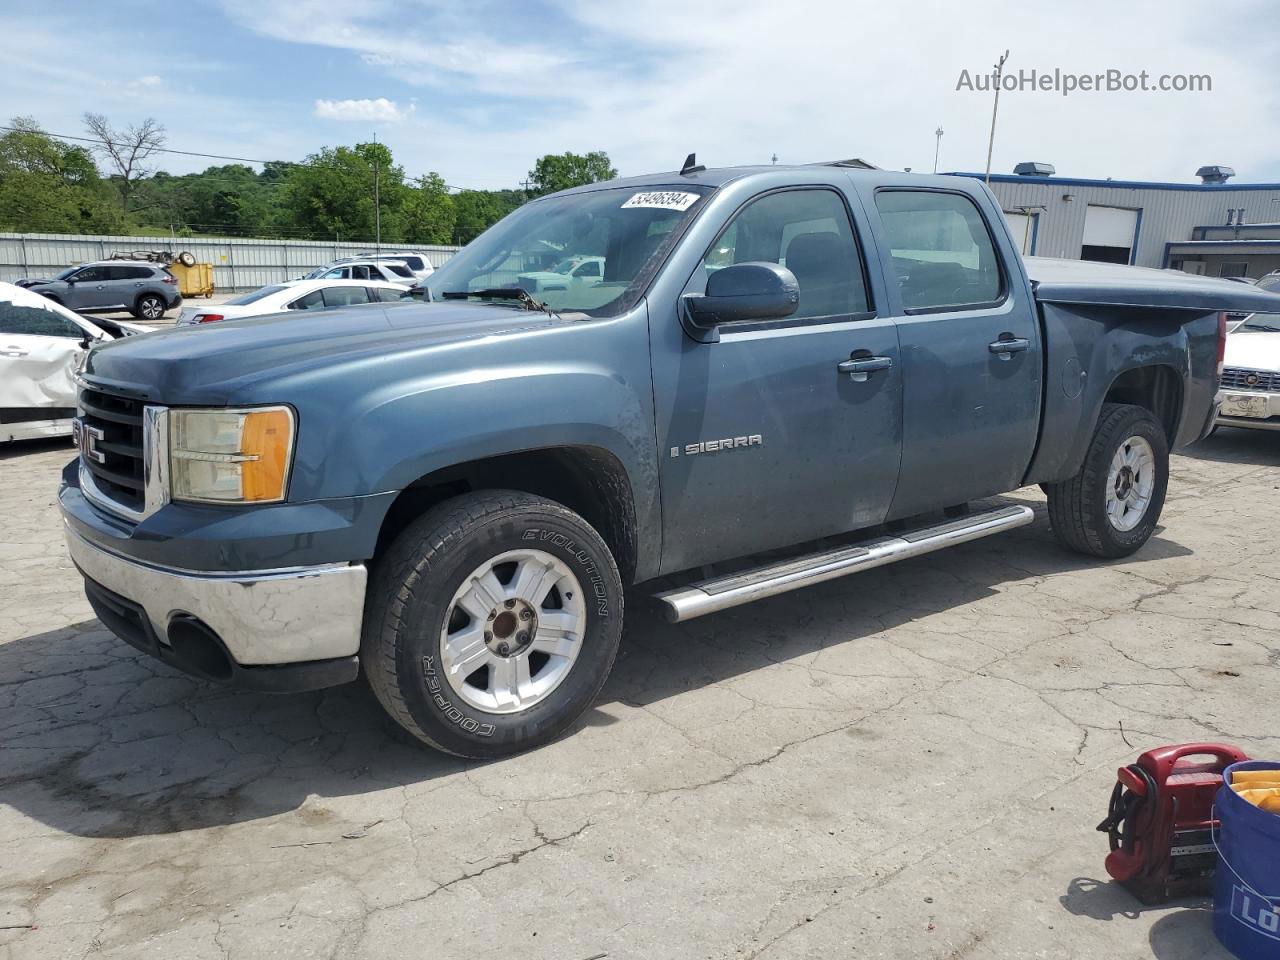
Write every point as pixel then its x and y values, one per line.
pixel 873 81
pixel 380 110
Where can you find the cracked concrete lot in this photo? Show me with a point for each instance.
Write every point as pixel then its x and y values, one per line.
pixel 908 763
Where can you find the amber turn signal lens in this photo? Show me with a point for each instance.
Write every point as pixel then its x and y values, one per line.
pixel 267 436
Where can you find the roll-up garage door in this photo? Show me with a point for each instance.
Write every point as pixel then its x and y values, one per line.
pixel 1109 234
pixel 1023 229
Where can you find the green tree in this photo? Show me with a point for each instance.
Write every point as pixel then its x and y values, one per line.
pixel 560 171
pixel 47 186
pixel 429 212
pixel 331 193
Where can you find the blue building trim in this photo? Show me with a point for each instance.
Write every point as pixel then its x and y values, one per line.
pixel 1209 245
pixel 1123 184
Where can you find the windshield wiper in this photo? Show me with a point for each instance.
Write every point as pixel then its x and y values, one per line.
pixel 500 293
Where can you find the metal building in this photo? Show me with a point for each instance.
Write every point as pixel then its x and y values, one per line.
pixel 1213 227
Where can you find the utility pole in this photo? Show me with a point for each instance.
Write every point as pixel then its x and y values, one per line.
pixel 525 184
pixel 991 142
pixel 936 148
pixel 378 206
pixel 775 159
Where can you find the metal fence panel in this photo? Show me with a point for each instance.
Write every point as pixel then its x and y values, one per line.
pixel 238 264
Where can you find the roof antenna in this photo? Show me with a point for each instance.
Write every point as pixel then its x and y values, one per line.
pixel 691 166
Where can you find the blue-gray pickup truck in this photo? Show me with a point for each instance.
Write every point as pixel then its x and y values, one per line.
pixel 823 365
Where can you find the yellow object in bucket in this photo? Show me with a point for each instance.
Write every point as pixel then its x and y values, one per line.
pixel 1259 787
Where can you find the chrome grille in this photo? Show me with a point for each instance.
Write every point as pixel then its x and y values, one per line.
pixel 111 446
pixel 1238 378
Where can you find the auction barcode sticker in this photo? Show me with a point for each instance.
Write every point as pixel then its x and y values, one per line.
pixel 662 200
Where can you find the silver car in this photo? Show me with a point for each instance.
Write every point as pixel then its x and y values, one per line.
pixel 147 290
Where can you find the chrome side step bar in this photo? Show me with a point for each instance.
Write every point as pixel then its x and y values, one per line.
pixel 721 593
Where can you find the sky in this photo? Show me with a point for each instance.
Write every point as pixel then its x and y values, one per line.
pixel 476 90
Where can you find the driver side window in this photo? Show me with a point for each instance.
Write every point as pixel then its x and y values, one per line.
pixel 808 232
pixel 36 321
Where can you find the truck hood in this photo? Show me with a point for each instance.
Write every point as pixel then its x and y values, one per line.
pixel 1080 281
pixel 1253 350
pixel 223 362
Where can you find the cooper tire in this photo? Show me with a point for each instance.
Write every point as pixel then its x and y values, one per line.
pixel 413 603
pixel 1079 508
pixel 149 307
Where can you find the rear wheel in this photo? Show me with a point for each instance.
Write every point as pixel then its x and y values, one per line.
pixel 149 307
pixel 492 622
pixel 1111 507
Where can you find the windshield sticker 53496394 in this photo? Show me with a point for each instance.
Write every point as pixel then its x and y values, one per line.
pixel 662 200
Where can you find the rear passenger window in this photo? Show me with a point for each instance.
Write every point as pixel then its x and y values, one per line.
pixel 809 233
pixel 345 296
pixel 943 255
pixel 389 295
pixel 312 301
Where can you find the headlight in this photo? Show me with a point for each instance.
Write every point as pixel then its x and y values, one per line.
pixel 230 456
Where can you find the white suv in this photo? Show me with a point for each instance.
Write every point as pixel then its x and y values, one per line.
pixel 416 262
pixel 392 271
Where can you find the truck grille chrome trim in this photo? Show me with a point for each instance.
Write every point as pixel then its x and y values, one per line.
pixel 123 453
pixel 721 593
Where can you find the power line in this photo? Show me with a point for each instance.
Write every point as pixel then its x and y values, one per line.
pixel 191 153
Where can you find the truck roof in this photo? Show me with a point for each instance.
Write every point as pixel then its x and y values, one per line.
pixel 718 176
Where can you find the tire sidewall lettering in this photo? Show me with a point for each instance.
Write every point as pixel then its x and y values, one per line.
pixel 594 581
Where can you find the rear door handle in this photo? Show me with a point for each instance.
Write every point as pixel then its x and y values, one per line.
pixel 858 368
pixel 1005 348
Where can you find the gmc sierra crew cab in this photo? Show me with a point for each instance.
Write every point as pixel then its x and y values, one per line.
pixel 825 365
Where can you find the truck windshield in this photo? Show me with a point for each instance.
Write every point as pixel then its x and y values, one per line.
pixel 626 231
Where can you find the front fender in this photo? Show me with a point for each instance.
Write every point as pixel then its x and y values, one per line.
pixel 585 385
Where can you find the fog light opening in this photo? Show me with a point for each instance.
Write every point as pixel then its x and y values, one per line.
pixel 198 648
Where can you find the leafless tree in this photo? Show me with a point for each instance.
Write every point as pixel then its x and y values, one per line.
pixel 126 150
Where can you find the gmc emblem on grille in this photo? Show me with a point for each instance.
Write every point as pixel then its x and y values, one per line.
pixel 88 438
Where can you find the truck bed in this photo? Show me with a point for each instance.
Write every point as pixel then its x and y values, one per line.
pixel 1109 330
pixel 1080 281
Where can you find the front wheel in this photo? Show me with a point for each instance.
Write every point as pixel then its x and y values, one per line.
pixel 492 623
pixel 1111 507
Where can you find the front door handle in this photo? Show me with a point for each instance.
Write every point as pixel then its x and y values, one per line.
pixel 859 368
pixel 1007 346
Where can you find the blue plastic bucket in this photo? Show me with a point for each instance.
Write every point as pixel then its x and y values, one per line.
pixel 1246 885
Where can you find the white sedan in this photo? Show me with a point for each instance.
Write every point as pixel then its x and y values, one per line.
pixel 42 345
pixel 296 295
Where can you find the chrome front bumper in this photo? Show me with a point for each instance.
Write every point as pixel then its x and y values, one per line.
pixel 1263 409
pixel 262 617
